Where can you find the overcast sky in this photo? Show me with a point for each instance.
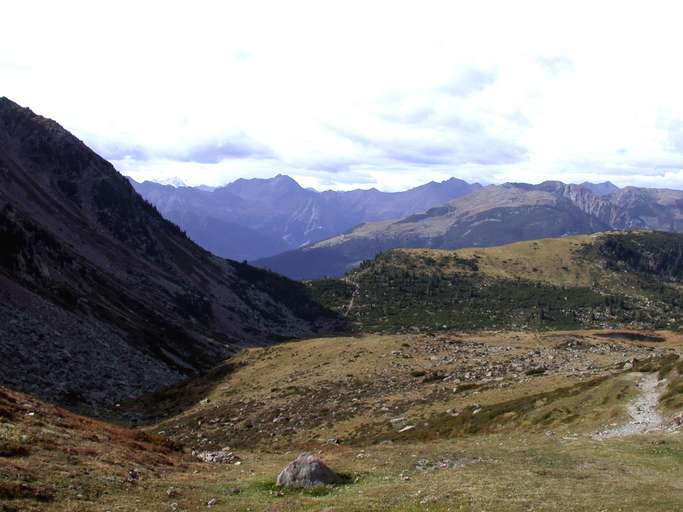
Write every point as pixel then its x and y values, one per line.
pixel 359 94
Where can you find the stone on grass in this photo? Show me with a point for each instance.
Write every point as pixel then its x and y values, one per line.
pixel 307 470
pixel 219 457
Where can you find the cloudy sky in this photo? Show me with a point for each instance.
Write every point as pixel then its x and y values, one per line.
pixel 359 94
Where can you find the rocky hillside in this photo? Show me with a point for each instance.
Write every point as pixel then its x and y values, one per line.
pixel 255 218
pixel 610 280
pixel 366 389
pixel 101 296
pixel 495 215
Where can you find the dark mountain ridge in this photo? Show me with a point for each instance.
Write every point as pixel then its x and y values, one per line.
pixel 101 296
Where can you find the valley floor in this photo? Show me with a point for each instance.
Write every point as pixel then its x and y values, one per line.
pixel 580 420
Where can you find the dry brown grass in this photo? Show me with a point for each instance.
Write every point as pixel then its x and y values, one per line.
pixel 529 446
pixel 51 459
pixel 552 260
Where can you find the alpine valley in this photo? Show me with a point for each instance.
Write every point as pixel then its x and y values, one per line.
pixel 450 347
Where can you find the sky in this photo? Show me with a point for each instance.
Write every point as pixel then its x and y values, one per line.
pixel 343 95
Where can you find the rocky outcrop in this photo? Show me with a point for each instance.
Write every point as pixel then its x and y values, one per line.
pixel 584 199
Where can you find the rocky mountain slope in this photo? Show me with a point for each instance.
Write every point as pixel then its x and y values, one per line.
pixel 606 280
pixel 255 218
pixel 494 215
pixel 101 296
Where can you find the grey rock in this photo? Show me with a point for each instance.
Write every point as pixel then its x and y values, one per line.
pixel 218 457
pixel 307 470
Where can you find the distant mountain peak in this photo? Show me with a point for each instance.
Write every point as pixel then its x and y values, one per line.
pixel 285 181
pixel 278 179
pixel 283 178
pixel 255 188
pixel 174 181
pixel 600 189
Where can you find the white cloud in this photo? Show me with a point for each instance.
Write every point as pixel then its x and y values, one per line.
pixel 488 91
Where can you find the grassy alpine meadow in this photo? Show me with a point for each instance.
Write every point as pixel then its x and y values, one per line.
pixel 496 420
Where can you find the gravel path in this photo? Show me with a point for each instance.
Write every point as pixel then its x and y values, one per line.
pixel 643 411
pixel 355 293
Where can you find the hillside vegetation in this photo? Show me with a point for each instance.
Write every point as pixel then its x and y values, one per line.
pixel 613 279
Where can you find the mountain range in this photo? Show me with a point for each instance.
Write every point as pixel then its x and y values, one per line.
pixel 256 218
pixel 492 215
pixel 304 234
pixel 103 298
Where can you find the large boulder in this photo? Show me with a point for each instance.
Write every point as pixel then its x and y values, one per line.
pixel 307 470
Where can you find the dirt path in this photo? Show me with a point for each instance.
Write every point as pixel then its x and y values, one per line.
pixel 355 293
pixel 643 411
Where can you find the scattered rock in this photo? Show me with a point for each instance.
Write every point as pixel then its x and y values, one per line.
pixel 307 470
pixel 678 420
pixel 218 457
